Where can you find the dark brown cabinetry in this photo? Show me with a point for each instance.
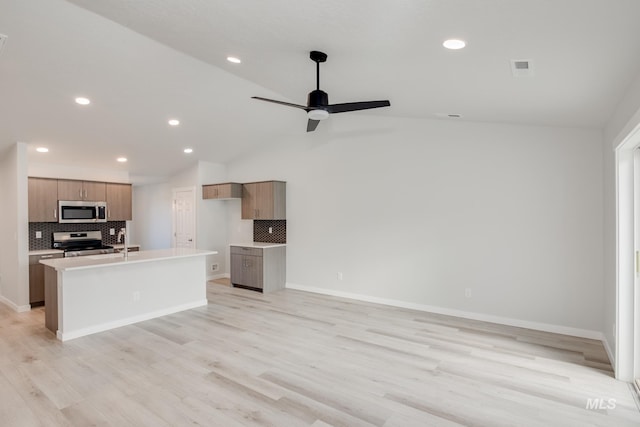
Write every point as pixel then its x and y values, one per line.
pixel 118 198
pixel 43 200
pixel 36 277
pixel 264 200
pixel 229 190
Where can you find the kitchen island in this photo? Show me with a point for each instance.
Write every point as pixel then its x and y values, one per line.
pixel 95 293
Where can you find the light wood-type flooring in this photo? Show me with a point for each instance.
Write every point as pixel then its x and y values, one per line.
pixel 299 359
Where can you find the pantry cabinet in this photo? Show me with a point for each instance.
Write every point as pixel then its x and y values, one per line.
pixel 264 200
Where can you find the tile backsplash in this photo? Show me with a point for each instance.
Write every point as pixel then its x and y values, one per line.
pixel 48 228
pixel 278 230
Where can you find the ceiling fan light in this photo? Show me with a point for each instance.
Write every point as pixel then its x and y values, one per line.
pixel 318 114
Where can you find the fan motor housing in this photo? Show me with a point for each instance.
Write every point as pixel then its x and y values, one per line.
pixel 317 98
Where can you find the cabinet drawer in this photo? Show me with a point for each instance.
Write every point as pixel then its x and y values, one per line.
pixel 244 250
pixel 35 259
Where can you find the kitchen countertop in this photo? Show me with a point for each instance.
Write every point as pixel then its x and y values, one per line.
pixel 261 245
pixel 108 260
pixel 121 246
pixel 46 252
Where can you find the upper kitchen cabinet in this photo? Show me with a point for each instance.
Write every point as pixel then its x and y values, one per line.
pixel 43 200
pixel 118 202
pixel 264 200
pixel 81 190
pixel 229 190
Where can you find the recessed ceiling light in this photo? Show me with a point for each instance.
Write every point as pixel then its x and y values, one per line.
pixel 233 59
pixel 454 44
pixel 174 122
pixel 82 100
pixel 121 159
pixel 42 150
pixel 188 150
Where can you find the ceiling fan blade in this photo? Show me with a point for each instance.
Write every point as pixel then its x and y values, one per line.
pixel 288 104
pixel 355 106
pixel 312 125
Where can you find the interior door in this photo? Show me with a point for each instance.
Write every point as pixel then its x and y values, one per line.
pixel 636 288
pixel 184 218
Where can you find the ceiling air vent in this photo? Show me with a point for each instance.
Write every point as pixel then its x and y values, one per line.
pixel 3 39
pixel 521 67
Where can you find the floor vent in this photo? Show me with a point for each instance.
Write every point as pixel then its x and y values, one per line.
pixel 521 67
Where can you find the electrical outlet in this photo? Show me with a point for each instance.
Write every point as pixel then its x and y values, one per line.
pixel 112 231
pixel 214 267
pixel 270 230
pixel 467 292
pixel 339 275
pixel 38 234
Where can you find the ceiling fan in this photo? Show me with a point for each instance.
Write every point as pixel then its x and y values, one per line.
pixel 318 107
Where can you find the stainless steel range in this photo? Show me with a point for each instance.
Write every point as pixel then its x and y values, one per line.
pixel 80 243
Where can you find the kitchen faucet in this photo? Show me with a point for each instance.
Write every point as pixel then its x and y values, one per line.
pixel 122 235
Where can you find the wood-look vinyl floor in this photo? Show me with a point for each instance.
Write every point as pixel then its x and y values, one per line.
pixel 298 359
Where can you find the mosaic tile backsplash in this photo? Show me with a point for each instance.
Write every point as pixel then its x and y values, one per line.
pixel 278 230
pixel 48 228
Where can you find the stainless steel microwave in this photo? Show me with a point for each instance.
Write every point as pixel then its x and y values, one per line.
pixel 81 211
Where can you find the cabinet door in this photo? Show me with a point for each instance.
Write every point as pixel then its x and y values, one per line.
pixel 70 190
pixel 229 190
pixel 249 195
pixel 36 283
pixel 94 191
pixel 264 200
pixel 246 270
pixel 118 202
pixel 236 269
pixel 43 200
pixel 210 191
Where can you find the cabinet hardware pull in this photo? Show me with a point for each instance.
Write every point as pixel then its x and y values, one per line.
pixel 55 213
pixel 46 256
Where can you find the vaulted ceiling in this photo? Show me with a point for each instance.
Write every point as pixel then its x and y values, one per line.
pixel 143 62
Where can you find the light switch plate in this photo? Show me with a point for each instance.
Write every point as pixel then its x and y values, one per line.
pixel 112 231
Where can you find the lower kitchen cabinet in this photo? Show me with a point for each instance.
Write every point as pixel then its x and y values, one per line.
pixel 258 268
pixel 36 277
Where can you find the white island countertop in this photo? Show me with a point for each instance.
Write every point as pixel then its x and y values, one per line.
pixel 108 260
pixel 261 245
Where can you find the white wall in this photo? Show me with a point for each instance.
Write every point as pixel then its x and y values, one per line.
pixel 151 225
pixel 416 211
pixel 152 213
pixel 43 170
pixel 14 259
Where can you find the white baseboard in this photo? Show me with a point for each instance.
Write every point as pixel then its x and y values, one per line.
pixel 607 347
pixel 219 276
pixel 545 327
pixel 66 336
pixel 14 306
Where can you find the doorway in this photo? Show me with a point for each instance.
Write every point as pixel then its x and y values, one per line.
pixel 628 258
pixel 184 218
